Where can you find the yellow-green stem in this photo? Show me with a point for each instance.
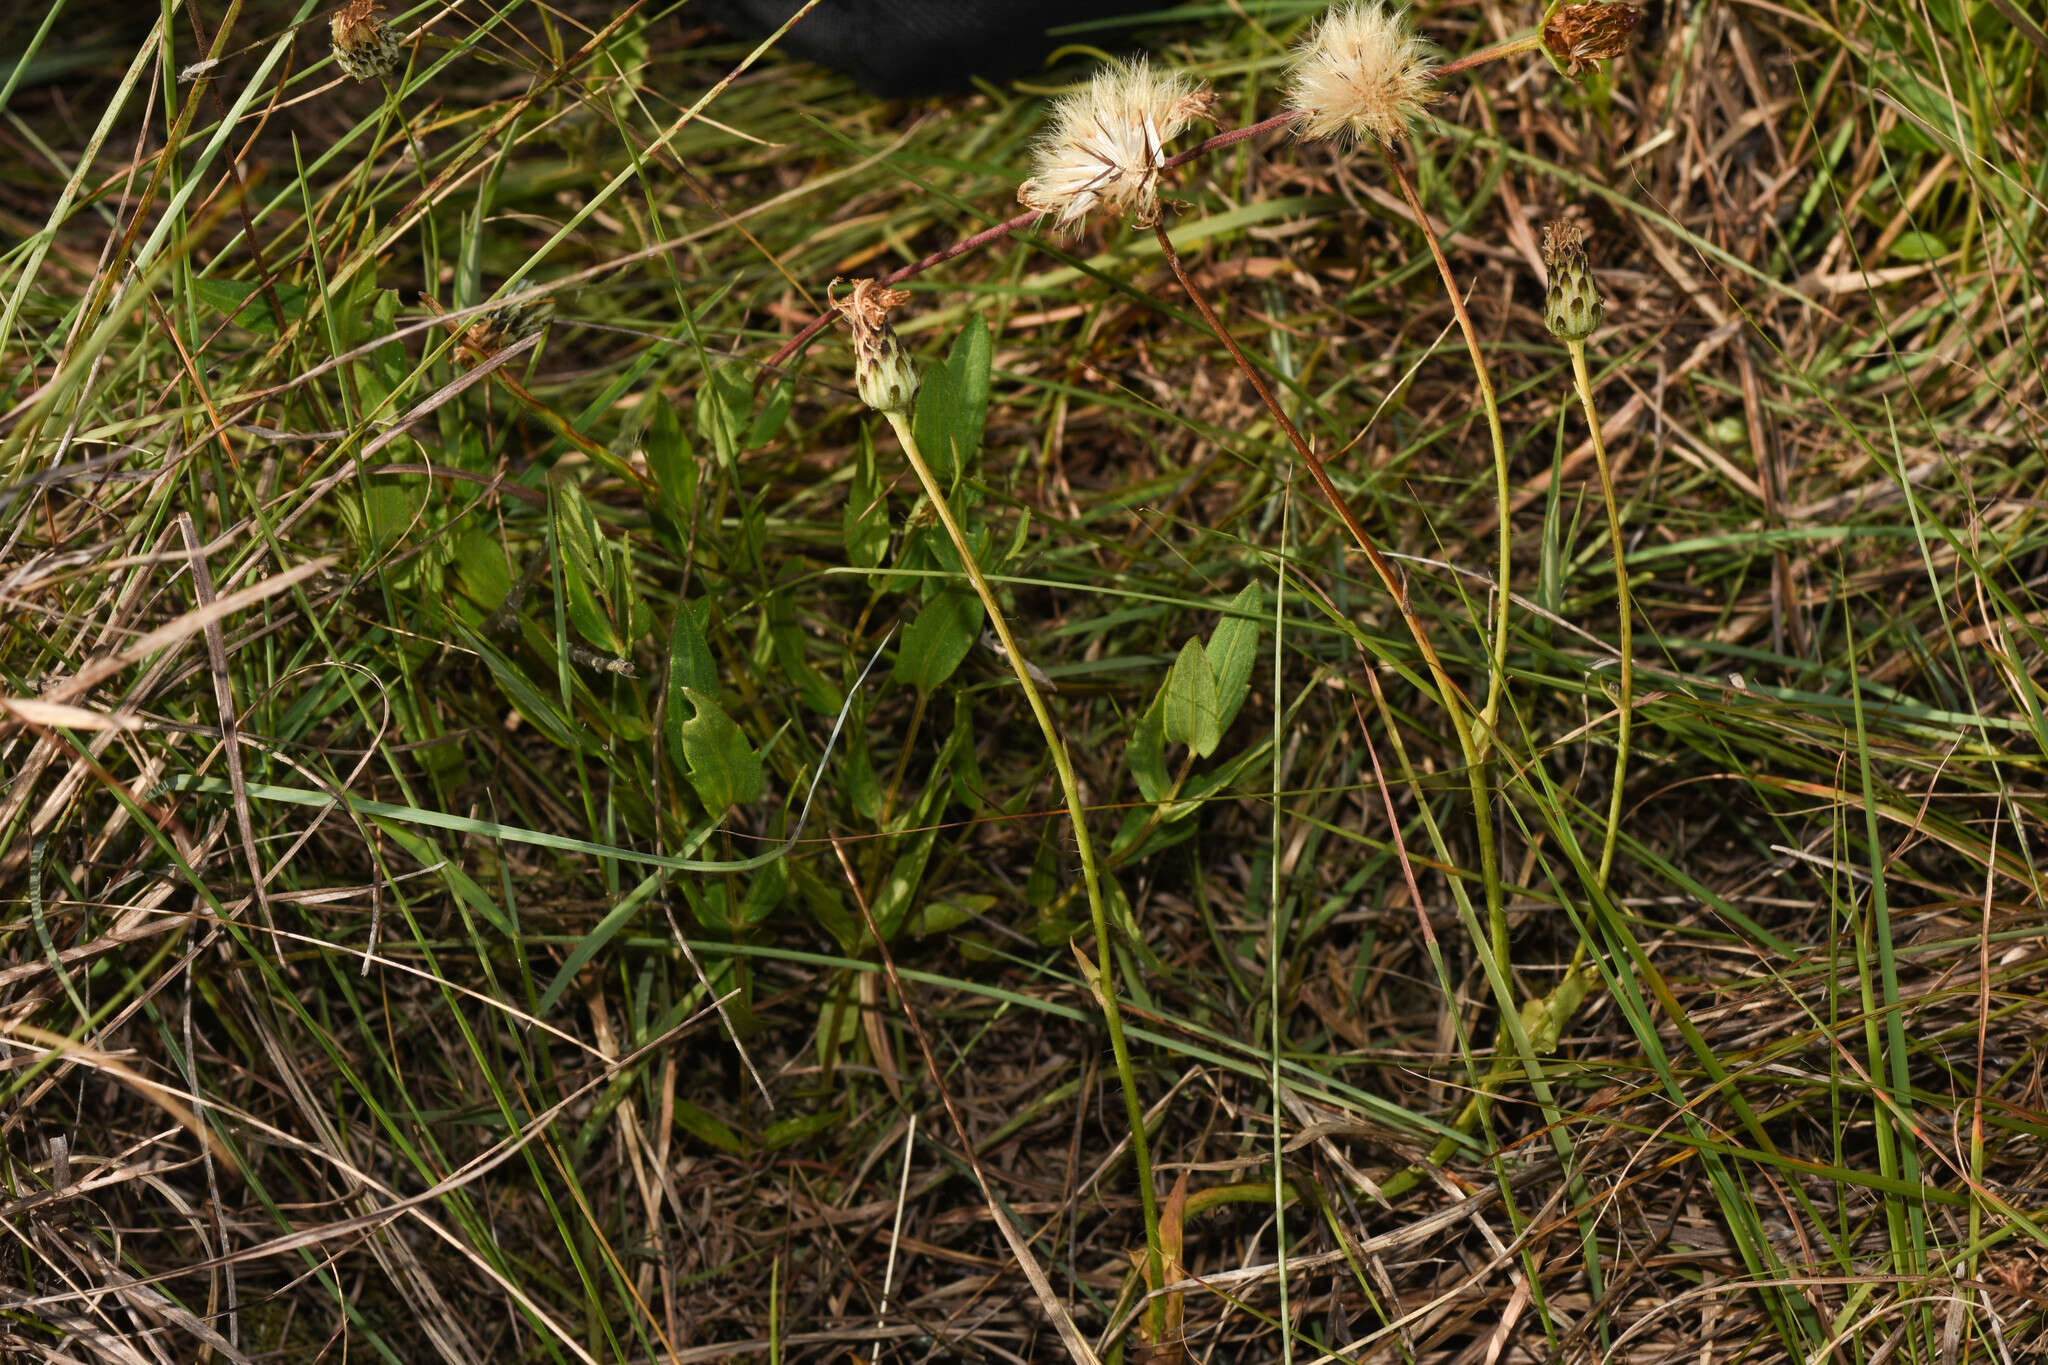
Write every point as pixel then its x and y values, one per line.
pixel 1628 662
pixel 1091 879
pixel 1486 736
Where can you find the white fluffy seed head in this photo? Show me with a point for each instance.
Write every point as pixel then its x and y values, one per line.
pixel 1362 73
pixel 1106 144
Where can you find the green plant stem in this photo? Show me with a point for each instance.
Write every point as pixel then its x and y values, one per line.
pixel 1584 381
pixel 1496 681
pixel 1091 879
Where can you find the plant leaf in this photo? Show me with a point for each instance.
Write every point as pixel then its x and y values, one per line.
pixel 952 402
pixel 1146 751
pixel 1233 650
pixel 721 765
pixel 1192 713
pixel 936 642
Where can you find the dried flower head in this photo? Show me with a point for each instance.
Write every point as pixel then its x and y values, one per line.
pixel 1106 145
pixel 1580 35
pixel 882 372
pixel 364 45
pixel 1362 73
pixel 1571 304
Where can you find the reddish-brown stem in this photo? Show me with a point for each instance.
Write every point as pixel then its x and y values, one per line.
pixel 1230 136
pixel 1528 42
pixel 1009 225
pixel 1454 702
pixel 917 267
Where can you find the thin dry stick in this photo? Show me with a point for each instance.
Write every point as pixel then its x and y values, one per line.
pixel 1062 1321
pixel 1584 382
pixel 1009 225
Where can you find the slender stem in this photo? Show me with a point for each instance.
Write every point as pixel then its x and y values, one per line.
pixel 1501 490
pixel 1496 901
pixel 1528 42
pixel 917 267
pixel 1454 701
pixel 1112 1014
pixel 1628 661
pixel 1285 118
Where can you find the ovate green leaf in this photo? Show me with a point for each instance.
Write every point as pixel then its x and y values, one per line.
pixel 1192 714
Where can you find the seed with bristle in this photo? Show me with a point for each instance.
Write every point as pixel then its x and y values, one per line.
pixel 364 45
pixel 1571 304
pixel 1105 145
pixel 1362 73
pixel 1580 35
pixel 882 372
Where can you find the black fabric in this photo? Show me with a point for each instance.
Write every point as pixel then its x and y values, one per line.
pixel 916 47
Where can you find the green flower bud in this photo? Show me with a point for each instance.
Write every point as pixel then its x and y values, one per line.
pixel 1571 305
pixel 882 372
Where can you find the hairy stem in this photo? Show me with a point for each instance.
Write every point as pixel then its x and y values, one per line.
pixel 1528 42
pixel 1584 382
pixel 1091 879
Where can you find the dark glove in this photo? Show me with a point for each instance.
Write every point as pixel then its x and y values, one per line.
pixel 915 47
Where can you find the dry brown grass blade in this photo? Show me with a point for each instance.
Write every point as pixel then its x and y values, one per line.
pixel 56 715
pixel 224 702
pixel 97 671
pixel 96 1060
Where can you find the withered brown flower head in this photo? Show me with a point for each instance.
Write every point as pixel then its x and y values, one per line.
pixel 1580 35
pixel 364 45
pixel 882 373
pixel 1572 307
